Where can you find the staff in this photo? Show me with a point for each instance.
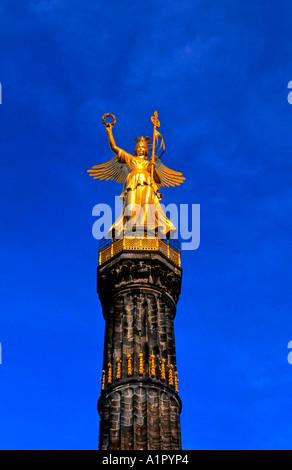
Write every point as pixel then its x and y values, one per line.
pixel 155 123
pixel 156 136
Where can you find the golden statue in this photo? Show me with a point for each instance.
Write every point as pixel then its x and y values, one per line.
pixel 141 179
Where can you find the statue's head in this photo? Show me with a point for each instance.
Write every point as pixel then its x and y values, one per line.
pixel 142 149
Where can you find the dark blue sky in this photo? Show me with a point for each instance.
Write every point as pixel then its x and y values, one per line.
pixel 217 72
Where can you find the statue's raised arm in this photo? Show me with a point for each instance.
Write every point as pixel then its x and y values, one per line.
pixel 114 169
pixel 109 126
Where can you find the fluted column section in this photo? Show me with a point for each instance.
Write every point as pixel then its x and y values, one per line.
pixel 139 404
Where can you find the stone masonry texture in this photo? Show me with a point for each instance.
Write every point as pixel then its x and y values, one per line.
pixel 139 405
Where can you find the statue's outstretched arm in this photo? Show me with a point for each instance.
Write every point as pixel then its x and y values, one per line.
pixel 122 156
pixel 111 140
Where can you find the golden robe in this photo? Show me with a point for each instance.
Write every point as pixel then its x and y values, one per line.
pixel 141 207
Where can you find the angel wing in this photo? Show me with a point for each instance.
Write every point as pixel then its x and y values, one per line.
pixel 111 170
pixel 165 176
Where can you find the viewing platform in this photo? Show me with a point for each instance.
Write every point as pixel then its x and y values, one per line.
pixel 111 247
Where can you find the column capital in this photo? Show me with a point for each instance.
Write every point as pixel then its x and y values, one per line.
pixel 138 270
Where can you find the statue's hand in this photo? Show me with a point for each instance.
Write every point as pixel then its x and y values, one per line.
pixel 109 125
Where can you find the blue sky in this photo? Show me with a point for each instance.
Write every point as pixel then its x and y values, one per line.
pixel 217 72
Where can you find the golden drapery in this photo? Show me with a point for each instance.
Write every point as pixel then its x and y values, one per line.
pixel 142 210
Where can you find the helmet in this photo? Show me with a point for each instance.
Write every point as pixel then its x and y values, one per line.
pixel 142 142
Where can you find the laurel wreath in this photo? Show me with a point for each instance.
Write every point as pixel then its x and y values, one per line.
pixel 113 119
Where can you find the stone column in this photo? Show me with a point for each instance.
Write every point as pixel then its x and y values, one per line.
pixel 139 405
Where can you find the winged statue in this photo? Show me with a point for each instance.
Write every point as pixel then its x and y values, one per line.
pixel 142 180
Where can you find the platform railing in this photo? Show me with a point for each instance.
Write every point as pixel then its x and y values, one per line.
pixel 111 247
